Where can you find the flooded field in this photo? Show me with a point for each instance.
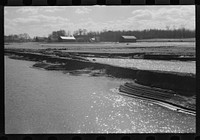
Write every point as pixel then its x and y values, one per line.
pixel 40 101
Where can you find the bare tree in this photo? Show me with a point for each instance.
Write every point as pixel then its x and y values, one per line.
pixel 80 31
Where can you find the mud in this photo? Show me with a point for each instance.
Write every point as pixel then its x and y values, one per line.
pixel 156 94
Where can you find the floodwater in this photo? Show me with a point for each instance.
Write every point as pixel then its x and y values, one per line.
pixel 174 66
pixel 40 101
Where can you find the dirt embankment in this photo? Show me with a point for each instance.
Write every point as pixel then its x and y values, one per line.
pixel 161 97
pixel 184 84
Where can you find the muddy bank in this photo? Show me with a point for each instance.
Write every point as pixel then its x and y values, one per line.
pixel 157 95
pixel 149 56
pixel 178 53
pixel 155 51
pixel 140 56
pixel 184 84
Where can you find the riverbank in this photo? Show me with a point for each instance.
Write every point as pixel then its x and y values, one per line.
pixel 42 101
pixel 162 97
pixel 182 83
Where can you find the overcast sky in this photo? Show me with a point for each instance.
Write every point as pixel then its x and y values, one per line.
pixel 41 21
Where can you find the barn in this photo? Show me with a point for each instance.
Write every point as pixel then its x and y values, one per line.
pixel 95 39
pixel 67 39
pixel 80 38
pixel 127 39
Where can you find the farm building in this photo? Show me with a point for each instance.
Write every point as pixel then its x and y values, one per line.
pixel 95 39
pixel 80 38
pixel 67 39
pixel 127 39
pixel 40 39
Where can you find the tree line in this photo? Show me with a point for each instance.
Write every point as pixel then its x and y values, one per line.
pixel 105 35
pixel 17 38
pixel 113 36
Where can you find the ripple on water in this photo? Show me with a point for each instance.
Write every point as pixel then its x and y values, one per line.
pixel 93 107
pixel 128 115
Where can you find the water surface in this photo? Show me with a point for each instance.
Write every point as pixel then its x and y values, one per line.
pixel 39 101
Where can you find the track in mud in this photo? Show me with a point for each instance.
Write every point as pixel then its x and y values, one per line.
pixel 162 97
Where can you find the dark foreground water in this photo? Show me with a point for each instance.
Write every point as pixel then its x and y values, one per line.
pixel 39 101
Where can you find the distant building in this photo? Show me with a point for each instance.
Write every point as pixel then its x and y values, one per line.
pixel 53 39
pixel 40 39
pixel 127 39
pixel 82 38
pixel 67 38
pixel 95 39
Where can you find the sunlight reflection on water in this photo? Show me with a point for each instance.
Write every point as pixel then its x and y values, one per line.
pixel 131 115
pixel 38 101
